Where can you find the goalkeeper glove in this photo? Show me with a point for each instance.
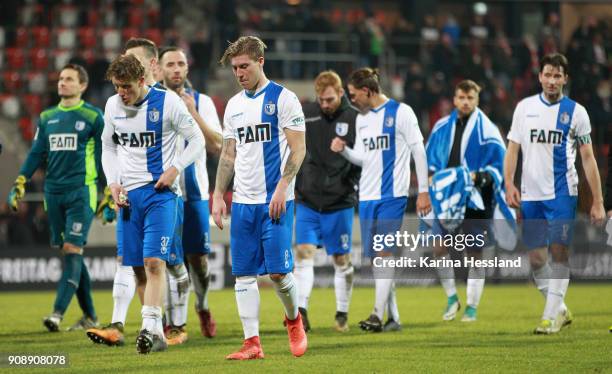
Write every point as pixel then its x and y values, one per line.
pixel 17 193
pixel 106 209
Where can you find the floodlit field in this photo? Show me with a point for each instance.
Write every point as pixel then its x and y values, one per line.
pixel 501 340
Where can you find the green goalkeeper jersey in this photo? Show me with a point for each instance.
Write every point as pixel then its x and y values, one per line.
pixel 69 139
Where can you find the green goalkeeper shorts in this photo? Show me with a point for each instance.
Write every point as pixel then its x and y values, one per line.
pixel 70 215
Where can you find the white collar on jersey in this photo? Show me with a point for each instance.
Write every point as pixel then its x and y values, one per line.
pixel 258 91
pixel 543 98
pixel 375 110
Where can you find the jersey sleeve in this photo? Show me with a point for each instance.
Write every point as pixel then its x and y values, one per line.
pixel 109 158
pixel 408 125
pixel 98 129
pixel 208 112
pixel 582 121
pixel 184 124
pixel 37 153
pixel 290 114
pixel 228 130
pixel 517 123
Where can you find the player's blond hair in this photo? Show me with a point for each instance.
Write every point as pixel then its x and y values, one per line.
pixel 251 46
pixel 125 68
pixel 327 78
pixel 467 86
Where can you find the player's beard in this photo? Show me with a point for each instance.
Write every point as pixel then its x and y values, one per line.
pixel 176 87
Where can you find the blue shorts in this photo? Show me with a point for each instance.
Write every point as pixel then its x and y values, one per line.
pixel 176 251
pixel 257 245
pixel 148 226
pixel 333 230
pixel 548 222
pixel 380 217
pixel 196 230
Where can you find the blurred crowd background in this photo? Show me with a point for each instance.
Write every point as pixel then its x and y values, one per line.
pixel 421 48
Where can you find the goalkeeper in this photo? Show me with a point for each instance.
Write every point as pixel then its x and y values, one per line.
pixel 68 138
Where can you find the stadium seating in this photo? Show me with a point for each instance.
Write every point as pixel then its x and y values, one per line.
pixel 41 36
pixel 15 58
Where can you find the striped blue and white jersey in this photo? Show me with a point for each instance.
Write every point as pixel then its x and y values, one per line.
pixel 257 123
pixel 384 137
pixel 194 179
pixel 139 142
pixel 548 135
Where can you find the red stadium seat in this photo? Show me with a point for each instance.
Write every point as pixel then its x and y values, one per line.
pixel 41 36
pixel 27 131
pixel 87 37
pixel 93 16
pixel 135 17
pixel 32 104
pixel 39 58
pixel 153 15
pixel 15 58
pixel 155 35
pixel 130 32
pixel 12 81
pixel 22 37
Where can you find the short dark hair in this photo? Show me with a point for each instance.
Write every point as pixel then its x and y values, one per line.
pixel 148 45
pixel 83 76
pixel 467 86
pixel 166 49
pixel 125 68
pixel 556 60
pixel 365 77
pixel 251 46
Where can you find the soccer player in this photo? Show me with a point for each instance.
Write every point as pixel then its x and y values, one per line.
pixel 194 184
pixel 467 137
pixel 128 279
pixel 68 137
pixel 548 128
pixel 263 143
pixel 325 194
pixel 142 128
pixel 387 133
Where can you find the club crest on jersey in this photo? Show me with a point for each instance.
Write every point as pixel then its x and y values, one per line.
pixel 153 115
pixel 79 125
pixel 342 128
pixel 76 228
pixel 270 108
pixel 389 121
pixel 564 118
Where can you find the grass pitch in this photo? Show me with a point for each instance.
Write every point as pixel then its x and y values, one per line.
pixel 500 341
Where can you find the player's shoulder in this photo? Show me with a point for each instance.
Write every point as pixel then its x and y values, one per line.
pixel 530 101
pixel 440 123
pixel 90 112
pixel 49 113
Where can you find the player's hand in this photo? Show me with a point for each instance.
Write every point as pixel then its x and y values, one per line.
pixel 189 101
pixel 120 196
pixel 219 210
pixel 167 178
pixel 598 214
pixel 423 204
pixel 513 196
pixel 17 193
pixel 337 145
pixel 610 213
pixel 278 203
pixel 107 209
